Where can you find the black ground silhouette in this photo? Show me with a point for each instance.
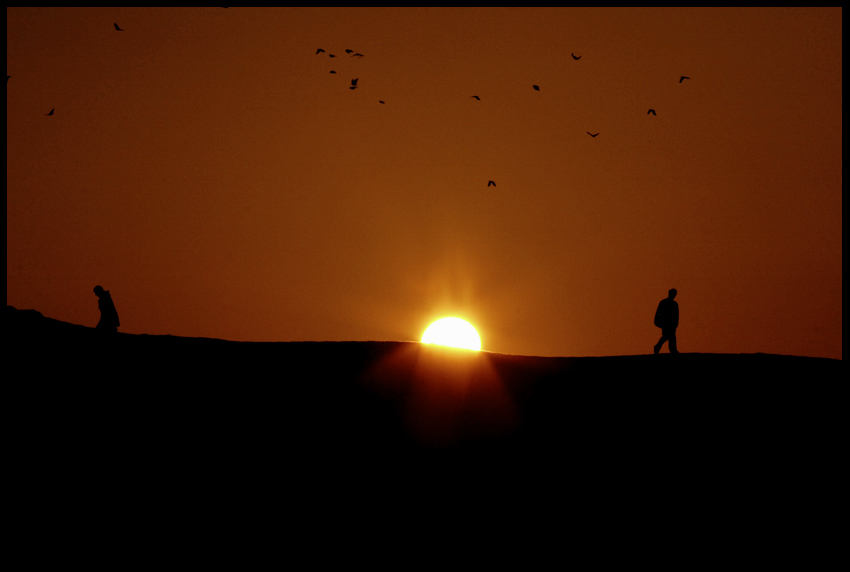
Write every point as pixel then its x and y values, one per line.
pixel 162 432
pixel 406 397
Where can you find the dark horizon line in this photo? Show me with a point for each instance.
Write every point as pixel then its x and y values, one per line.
pixel 33 315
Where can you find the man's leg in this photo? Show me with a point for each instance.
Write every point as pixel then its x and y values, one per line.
pixel 672 344
pixel 660 343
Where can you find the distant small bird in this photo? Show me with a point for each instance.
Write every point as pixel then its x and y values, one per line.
pixel 474 97
pixel 380 101
pixel 319 51
pixel 357 55
pixel 349 51
pixel 575 57
pixel 117 28
pixel 331 56
pixel 536 88
pixel 51 111
pixel 592 134
pixel 354 83
pixel 332 71
pixel 491 184
pixel 684 77
pixel 652 111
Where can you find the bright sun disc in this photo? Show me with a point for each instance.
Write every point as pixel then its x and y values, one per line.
pixel 452 332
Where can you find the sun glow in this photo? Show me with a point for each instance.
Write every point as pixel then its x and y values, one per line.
pixel 452 332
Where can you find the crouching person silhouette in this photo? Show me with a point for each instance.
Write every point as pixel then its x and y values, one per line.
pixel 108 323
pixel 667 318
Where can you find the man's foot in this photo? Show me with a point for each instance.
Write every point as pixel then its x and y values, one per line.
pixel 656 349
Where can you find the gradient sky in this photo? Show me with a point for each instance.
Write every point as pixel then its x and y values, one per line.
pixel 205 167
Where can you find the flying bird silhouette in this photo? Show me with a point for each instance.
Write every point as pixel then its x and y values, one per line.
pixel 684 77
pixel 491 184
pixel 380 101
pixel 536 88
pixel 51 111
pixel 117 28
pixel 575 57
pixel 349 51
pixel 331 56
pixel 332 71
pixel 358 55
pixel 474 97
pixel 652 111
pixel 592 134
pixel 319 51
pixel 354 83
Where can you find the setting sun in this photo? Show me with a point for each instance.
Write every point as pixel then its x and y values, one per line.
pixel 452 332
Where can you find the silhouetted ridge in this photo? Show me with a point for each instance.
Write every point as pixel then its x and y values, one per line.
pixel 390 398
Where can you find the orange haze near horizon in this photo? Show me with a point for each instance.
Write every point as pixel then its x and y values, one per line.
pixel 205 167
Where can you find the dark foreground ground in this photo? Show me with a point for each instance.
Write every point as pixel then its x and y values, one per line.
pixel 169 417
pixel 398 397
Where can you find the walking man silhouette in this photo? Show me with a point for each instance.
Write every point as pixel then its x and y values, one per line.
pixel 108 323
pixel 667 318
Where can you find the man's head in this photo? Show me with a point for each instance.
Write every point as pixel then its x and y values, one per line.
pixel 98 291
pixel 671 293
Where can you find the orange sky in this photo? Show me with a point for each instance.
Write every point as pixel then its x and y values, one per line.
pixel 205 167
